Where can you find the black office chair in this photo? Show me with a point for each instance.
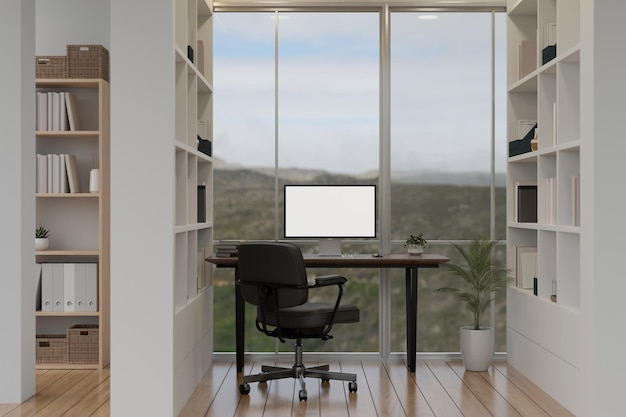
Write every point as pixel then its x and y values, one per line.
pixel 272 276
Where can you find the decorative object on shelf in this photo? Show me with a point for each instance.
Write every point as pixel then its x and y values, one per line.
pixel 51 66
pixel 94 175
pixel 520 146
pixel 482 279
pixel 415 244
pixel 87 61
pixel 42 238
pixel 204 146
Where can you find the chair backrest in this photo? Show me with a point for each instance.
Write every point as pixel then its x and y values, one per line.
pixel 273 263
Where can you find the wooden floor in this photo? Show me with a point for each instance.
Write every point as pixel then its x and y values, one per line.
pixel 436 389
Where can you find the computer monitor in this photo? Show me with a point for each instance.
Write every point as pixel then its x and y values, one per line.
pixel 330 213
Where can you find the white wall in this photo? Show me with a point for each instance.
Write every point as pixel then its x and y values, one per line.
pixel 142 208
pixel 71 22
pixel 603 149
pixel 17 219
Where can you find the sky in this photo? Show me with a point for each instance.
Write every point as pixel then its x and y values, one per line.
pixel 328 83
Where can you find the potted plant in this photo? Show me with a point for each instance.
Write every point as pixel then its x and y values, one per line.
pixel 41 238
pixel 415 244
pixel 482 279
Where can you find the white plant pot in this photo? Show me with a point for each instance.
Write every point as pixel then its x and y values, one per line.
pixel 477 347
pixel 41 243
pixel 415 249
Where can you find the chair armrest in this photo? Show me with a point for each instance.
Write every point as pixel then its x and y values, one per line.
pixel 330 280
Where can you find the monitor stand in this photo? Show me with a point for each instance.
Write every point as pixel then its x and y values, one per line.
pixel 330 247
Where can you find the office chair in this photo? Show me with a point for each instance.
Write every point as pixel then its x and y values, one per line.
pixel 272 276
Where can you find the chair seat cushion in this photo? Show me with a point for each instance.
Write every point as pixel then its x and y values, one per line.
pixel 311 315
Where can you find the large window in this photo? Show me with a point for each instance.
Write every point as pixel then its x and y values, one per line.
pixel 298 100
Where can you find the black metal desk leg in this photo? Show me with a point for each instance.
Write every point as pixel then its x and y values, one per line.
pixel 411 317
pixel 240 314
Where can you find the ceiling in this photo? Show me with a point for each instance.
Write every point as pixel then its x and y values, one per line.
pixel 330 4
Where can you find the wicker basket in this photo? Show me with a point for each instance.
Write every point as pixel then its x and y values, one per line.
pixel 51 66
pixel 88 61
pixel 51 349
pixel 82 343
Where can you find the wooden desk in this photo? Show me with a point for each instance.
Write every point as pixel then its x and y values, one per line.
pixel 411 264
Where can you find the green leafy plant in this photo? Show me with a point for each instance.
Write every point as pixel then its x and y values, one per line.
pixel 41 232
pixel 481 276
pixel 416 241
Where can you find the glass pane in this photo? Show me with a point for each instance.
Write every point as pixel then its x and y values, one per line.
pixel 441 138
pixel 328 134
pixel 440 124
pixel 244 127
pixel 243 150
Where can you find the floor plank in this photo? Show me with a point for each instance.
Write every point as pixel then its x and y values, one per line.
pixel 436 389
pixel 457 390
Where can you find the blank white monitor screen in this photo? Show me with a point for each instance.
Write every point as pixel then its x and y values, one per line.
pixel 330 211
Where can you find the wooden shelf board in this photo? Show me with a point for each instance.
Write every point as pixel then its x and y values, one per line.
pixel 68 252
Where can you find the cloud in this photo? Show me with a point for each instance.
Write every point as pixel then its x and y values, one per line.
pixel 328 98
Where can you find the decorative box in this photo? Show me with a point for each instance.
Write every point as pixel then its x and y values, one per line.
pixel 51 349
pixel 82 343
pixel 88 61
pixel 51 66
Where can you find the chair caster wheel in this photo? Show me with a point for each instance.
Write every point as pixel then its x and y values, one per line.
pixel 352 387
pixel 302 395
pixel 244 389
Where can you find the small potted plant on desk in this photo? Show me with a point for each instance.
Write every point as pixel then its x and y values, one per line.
pixel 41 238
pixel 482 280
pixel 415 244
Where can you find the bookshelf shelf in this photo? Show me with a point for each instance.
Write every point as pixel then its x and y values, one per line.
pixel 78 221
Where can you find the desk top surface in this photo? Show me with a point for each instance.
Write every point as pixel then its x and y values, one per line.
pixel 393 260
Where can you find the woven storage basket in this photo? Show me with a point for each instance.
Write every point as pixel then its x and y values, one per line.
pixel 88 61
pixel 51 66
pixel 82 343
pixel 51 349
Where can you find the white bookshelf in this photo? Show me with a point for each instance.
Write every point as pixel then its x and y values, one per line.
pixel 542 329
pixel 193 229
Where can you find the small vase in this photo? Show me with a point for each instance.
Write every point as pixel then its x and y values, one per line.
pixel 41 243
pixel 94 180
pixel 415 249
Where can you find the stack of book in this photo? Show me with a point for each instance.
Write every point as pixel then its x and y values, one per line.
pixel 57 111
pixel 57 173
pixel 227 248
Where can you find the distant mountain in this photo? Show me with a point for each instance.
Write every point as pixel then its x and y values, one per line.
pixel 475 178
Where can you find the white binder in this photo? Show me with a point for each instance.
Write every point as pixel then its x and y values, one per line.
pixel 91 287
pixel 46 287
pixel 58 276
pixel 68 287
pixel 79 287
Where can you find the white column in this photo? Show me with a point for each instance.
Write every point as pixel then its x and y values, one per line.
pixel 142 208
pixel 17 218
pixel 603 204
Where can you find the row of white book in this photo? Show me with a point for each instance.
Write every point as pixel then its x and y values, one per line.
pixel 57 173
pixel 57 111
pixel 68 286
pixel 550 200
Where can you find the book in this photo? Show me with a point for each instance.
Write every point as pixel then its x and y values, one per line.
pixel 42 173
pixel 72 111
pixel 525 202
pixel 56 111
pixel 49 158
pixel 72 173
pixel 63 186
pixel 524 126
pixel 526 263
pixel 62 112
pixel 49 107
pixel 42 111
pixel 527 57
